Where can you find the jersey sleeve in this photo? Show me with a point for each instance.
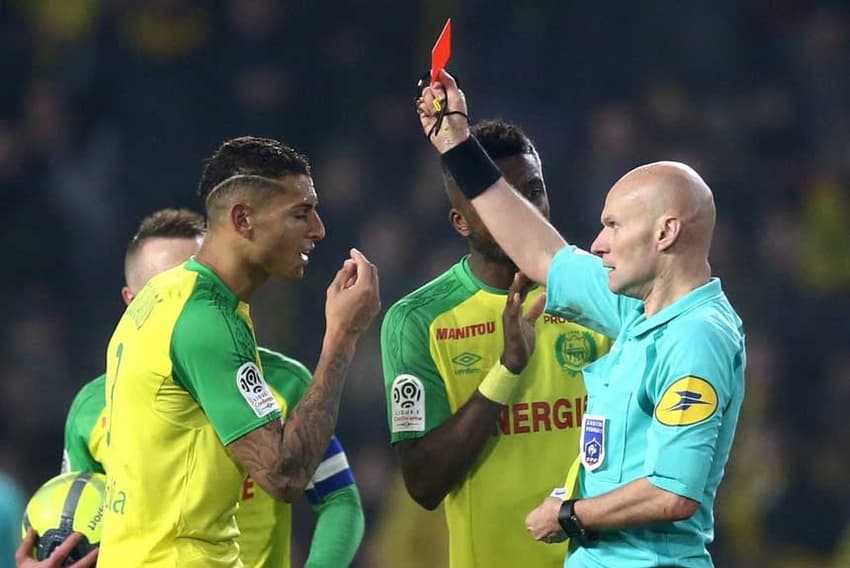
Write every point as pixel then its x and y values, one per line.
pixel 79 425
pixel 215 358
pixel 330 546
pixel 577 289
pixel 417 401
pixel 693 392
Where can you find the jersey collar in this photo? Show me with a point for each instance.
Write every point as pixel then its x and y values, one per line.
pixel 195 266
pixel 473 282
pixel 705 293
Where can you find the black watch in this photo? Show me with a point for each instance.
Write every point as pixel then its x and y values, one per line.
pixel 572 525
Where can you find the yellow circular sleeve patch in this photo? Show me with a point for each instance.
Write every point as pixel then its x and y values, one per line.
pixel 685 402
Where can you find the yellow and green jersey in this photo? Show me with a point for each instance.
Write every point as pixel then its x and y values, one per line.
pixel 437 345
pixel 85 429
pixel 264 523
pixel 183 380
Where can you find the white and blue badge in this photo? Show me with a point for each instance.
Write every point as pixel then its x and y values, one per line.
pixel 592 449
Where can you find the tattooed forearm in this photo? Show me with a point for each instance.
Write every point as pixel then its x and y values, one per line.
pixel 282 458
pixel 307 434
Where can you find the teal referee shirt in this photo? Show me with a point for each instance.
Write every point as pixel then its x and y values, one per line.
pixel 662 404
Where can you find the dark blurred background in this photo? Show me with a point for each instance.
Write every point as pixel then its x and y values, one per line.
pixel 107 108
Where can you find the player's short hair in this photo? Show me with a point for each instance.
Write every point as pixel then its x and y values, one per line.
pixel 247 160
pixel 500 139
pixel 167 224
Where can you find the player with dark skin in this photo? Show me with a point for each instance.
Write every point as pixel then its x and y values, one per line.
pixel 435 463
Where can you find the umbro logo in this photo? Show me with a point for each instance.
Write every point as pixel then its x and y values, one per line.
pixel 466 362
pixel 466 359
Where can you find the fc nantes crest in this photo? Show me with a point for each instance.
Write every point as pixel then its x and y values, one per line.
pixel 574 350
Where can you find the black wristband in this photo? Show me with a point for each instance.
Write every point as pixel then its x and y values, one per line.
pixel 471 167
pixel 572 525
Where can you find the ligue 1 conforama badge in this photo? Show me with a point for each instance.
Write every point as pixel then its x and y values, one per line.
pixel 253 388
pixel 592 450
pixel 408 404
pixel 574 350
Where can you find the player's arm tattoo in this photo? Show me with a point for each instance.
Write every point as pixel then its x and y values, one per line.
pixel 283 456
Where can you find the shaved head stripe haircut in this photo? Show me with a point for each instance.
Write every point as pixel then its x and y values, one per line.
pixel 243 178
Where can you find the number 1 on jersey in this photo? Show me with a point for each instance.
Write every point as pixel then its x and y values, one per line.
pixel 119 352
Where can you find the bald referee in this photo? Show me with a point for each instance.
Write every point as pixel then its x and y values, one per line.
pixel 664 403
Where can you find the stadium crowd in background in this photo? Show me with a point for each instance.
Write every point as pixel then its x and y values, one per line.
pixel 108 107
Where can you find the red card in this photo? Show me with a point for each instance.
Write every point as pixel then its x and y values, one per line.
pixel 442 51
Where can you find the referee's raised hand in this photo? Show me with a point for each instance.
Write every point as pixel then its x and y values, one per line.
pixel 443 114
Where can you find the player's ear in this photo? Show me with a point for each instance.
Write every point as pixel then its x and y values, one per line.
pixel 240 219
pixel 459 222
pixel 127 294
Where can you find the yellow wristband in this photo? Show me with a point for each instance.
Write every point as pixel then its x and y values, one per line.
pixel 499 384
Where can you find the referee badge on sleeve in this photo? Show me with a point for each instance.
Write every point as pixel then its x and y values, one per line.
pixel 688 401
pixel 592 450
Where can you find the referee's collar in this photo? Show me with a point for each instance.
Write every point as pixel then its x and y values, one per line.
pixel 705 293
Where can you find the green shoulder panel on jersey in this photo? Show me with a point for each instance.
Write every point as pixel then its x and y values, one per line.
pixel 213 350
pixel 81 421
pixel 406 354
pixel 284 374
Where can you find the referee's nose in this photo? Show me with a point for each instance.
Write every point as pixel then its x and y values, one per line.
pixel 601 244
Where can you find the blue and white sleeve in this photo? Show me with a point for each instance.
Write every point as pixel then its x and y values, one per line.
pixel 332 474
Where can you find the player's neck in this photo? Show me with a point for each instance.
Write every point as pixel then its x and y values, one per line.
pixel 240 278
pixel 490 272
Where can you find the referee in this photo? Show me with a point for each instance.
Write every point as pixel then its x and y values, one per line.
pixel 664 403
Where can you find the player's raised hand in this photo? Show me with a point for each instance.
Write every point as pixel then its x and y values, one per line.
pixel 24 554
pixel 353 298
pixel 519 328
pixel 443 114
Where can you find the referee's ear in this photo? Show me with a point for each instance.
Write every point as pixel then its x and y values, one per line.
pixel 669 229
